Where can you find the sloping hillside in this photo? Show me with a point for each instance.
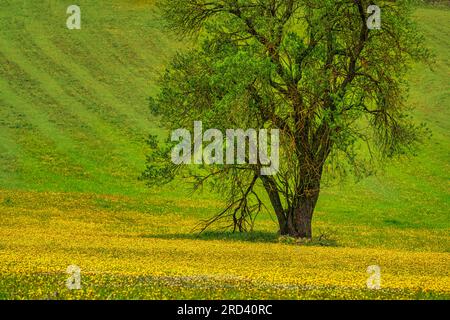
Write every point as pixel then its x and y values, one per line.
pixel 73 113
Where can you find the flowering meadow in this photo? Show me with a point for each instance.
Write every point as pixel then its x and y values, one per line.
pixel 74 120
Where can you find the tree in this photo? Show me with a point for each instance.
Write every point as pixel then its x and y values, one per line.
pixel 312 69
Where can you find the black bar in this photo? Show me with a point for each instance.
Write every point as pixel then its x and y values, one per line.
pixel 230 309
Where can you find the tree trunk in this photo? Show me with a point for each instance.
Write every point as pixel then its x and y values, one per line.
pixel 300 215
pixel 296 220
pixel 275 200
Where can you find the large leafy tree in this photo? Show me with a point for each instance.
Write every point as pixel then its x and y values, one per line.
pixel 310 68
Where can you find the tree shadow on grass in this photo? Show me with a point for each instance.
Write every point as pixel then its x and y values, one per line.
pixel 255 236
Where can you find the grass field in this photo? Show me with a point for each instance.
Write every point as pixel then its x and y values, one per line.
pixel 73 124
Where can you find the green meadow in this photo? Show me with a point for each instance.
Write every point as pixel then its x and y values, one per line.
pixel 74 120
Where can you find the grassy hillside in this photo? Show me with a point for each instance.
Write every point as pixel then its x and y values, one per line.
pixel 73 123
pixel 74 113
